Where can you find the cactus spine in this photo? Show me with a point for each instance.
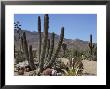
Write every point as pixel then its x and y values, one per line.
pixel 91 46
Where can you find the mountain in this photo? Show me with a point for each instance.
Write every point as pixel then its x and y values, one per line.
pixel 32 39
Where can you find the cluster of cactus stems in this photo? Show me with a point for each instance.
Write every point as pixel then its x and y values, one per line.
pixel 51 62
pixel 46 56
pixel 91 46
pixel 28 53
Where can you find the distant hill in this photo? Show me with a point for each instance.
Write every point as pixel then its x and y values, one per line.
pixel 32 38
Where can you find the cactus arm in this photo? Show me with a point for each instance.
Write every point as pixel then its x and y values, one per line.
pixel 48 47
pixel 25 45
pixel 40 40
pixel 57 50
pixel 52 46
pixel 51 49
pixel 45 42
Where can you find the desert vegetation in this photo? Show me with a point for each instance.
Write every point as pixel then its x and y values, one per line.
pixel 49 58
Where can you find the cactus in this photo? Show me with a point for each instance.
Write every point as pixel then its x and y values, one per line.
pixel 40 40
pixel 46 56
pixel 22 43
pixel 48 47
pixel 31 61
pixel 52 46
pixel 64 46
pixel 57 50
pixel 46 22
pixel 28 54
pixel 25 46
pixel 91 46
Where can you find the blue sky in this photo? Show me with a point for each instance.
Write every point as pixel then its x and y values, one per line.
pixel 77 26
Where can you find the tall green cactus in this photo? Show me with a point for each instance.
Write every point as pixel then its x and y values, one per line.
pixel 40 40
pixel 91 46
pixel 48 47
pixel 46 23
pixel 46 57
pixel 57 50
pixel 51 46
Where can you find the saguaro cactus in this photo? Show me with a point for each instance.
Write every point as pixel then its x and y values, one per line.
pixel 91 46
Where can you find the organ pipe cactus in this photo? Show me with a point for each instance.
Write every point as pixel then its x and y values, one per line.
pixel 46 54
pixel 47 58
pixel 58 49
pixel 46 22
pixel 91 46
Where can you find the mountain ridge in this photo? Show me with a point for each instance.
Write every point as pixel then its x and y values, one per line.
pixel 32 39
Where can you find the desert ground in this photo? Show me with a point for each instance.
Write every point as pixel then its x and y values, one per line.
pixel 90 68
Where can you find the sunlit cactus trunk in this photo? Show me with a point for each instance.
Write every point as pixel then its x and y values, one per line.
pixel 46 21
pixel 91 46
